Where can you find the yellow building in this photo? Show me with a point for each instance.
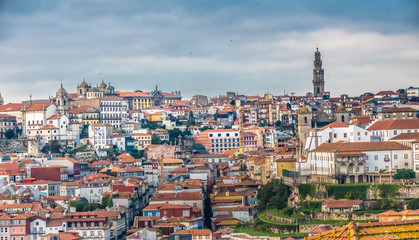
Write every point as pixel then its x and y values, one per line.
pixel 142 140
pixel 219 196
pixel 85 115
pixel 283 163
pixel 143 100
pixel 391 215
pixel 156 117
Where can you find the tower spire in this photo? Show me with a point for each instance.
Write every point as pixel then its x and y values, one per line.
pixel 318 74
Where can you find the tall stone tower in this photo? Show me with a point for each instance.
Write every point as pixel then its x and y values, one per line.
pixel 82 89
pixel 61 101
pixel 304 125
pixel 342 115
pixel 318 74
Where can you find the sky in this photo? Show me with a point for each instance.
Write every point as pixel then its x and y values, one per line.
pixel 207 47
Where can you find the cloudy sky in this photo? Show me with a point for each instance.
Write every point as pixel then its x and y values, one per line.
pixel 207 47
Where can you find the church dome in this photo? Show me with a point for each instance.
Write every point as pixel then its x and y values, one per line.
pixel 83 84
pixel 62 91
pixel 341 108
pixel 103 85
pixel 304 110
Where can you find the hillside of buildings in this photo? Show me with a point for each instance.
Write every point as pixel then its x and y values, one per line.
pixel 99 163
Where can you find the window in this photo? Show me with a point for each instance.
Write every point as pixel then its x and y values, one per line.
pixel 345 135
pixel 335 135
pixel 186 213
pixel 368 169
pixel 406 165
pixel 416 156
pixel 387 168
pixel 376 168
pixel 406 156
pixel 210 135
pixel 375 157
pixel 395 156
pixel 395 132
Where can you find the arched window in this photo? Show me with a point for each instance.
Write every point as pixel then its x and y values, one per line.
pixel 343 118
pixel 305 120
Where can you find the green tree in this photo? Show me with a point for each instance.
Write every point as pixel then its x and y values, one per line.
pixel 404 174
pixel 107 201
pixel 91 207
pixel 78 205
pixel 137 154
pixel 155 139
pixel 392 204
pixel 413 204
pixel 174 134
pixel 274 194
pixel 287 210
pixel 278 123
pixel 187 132
pixel 388 191
pixel 9 134
pixel 52 147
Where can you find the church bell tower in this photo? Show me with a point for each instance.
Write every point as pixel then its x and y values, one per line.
pixel 318 74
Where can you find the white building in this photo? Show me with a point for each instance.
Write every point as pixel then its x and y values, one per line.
pixel 100 136
pixel 410 140
pixel 336 132
pixel 388 129
pixel 130 127
pixel 119 142
pixel 113 110
pixel 355 162
pixel 218 140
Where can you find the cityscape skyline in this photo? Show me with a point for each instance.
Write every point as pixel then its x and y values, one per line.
pixel 248 47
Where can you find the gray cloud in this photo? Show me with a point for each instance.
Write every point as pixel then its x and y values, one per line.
pixel 205 48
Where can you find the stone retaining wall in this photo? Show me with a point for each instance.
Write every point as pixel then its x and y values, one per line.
pixel 345 216
pixel 13 146
pixel 285 220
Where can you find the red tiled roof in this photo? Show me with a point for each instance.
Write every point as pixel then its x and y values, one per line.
pixel 335 125
pixel 395 124
pixel 11 107
pixel 341 203
pixel 407 136
pixel 359 147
